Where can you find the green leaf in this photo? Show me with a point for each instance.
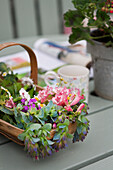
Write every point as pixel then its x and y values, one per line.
pixel 2 102
pixel 50 142
pixel 102 16
pixel 80 3
pixel 42 140
pixel 47 109
pixel 15 111
pixel 22 136
pixel 24 117
pixel 73 18
pixel 40 120
pixel 54 113
pixel 33 110
pixel 76 136
pixel 3 67
pixel 56 136
pixel 50 104
pixel 79 129
pixel 7 111
pixel 69 135
pixel 66 122
pixel 62 126
pixel 19 106
pixel 35 140
pixel 31 92
pixel 8 118
pixel 47 126
pixel 44 132
pixel 39 132
pixel 41 113
pixel 82 119
pixel 35 126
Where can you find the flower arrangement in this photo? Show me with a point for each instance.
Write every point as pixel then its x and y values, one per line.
pixel 49 117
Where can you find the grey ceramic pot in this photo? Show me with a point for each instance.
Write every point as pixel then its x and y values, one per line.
pixel 103 69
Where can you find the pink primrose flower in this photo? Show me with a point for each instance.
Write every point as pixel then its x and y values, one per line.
pixel 61 94
pixel 68 108
pixel 77 98
pixel 43 94
pixel 60 99
pixel 80 107
pixel 62 90
pixel 10 103
pixel 74 99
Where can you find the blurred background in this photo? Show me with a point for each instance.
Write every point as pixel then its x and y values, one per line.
pixel 25 18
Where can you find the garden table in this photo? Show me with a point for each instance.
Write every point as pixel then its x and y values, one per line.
pixel 95 153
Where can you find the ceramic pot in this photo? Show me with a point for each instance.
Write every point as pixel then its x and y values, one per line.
pixel 103 69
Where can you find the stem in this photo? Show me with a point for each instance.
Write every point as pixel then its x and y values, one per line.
pixel 103 36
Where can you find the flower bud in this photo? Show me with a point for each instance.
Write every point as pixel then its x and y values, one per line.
pixel 54 125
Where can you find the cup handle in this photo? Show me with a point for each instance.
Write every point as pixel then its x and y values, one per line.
pixel 51 78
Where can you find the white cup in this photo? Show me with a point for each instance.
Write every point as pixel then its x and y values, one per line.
pixel 75 76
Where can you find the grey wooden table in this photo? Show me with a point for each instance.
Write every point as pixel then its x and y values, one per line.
pixel 95 153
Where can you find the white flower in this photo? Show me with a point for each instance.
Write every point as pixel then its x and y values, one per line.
pixel 4 74
pixel 27 80
pixel 9 72
pixel 24 94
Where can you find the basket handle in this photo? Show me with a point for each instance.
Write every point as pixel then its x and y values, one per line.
pixel 33 60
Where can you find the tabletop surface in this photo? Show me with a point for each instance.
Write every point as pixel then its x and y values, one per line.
pixel 95 153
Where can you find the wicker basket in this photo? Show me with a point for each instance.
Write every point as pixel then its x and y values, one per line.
pixel 9 130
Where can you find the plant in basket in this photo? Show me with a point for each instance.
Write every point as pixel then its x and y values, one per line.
pixel 48 117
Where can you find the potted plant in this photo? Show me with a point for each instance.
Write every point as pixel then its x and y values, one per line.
pixel 98 32
pixel 43 120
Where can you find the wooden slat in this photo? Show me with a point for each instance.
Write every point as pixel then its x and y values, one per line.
pixel 6 31
pixel 105 164
pixel 97 103
pixel 49 17
pixel 98 145
pixel 37 17
pixel 25 17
